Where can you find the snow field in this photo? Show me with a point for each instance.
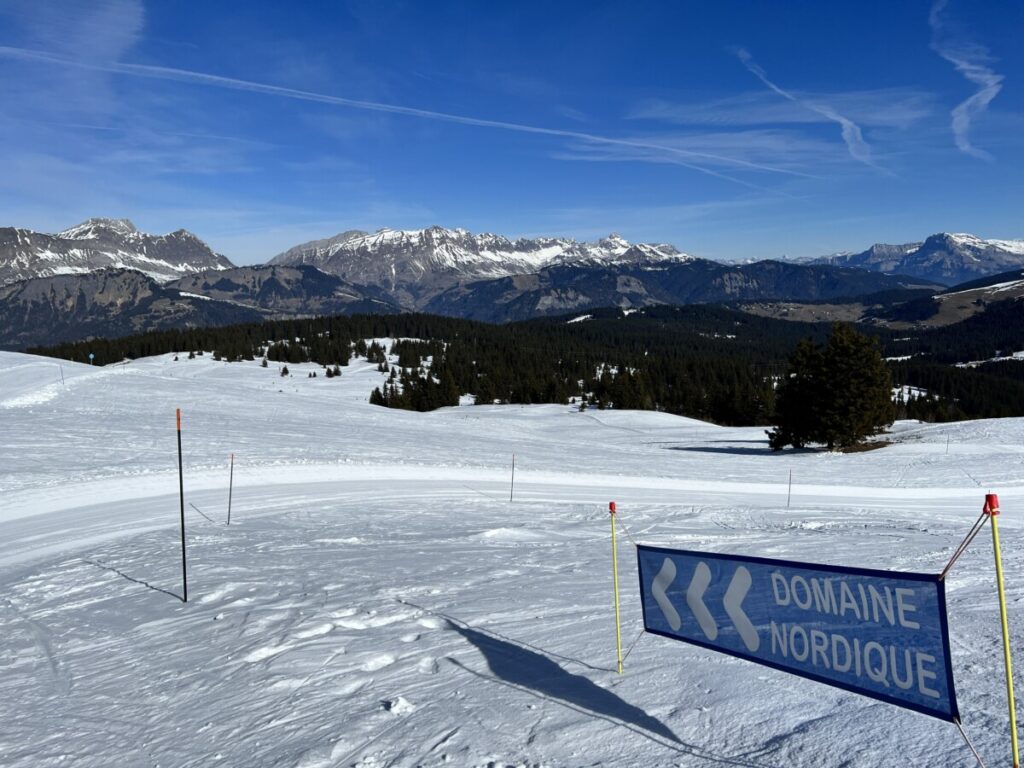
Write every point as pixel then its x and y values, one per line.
pixel 378 601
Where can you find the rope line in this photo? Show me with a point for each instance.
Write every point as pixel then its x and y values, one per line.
pixel 625 528
pixel 975 530
pixel 969 744
pixel 633 645
pixel 197 509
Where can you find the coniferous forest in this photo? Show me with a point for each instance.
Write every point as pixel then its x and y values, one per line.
pixel 707 362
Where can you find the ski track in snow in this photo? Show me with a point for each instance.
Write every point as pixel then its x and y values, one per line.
pixel 378 601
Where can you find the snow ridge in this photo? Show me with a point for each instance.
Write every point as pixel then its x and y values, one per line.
pixel 459 250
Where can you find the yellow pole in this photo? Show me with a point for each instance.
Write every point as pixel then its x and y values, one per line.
pixel 615 574
pixel 992 509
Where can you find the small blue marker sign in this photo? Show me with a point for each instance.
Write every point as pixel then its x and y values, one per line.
pixel 878 633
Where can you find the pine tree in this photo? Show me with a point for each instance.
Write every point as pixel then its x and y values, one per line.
pixel 837 395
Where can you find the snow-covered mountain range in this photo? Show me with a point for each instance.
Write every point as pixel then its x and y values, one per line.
pixel 445 271
pixel 415 265
pixel 947 258
pixel 101 244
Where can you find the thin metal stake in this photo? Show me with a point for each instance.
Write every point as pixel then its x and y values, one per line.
pixel 181 491
pixel 789 494
pixel 512 486
pixel 231 485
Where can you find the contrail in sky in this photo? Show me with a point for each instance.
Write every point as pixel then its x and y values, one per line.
pixel 971 61
pixel 202 78
pixel 852 135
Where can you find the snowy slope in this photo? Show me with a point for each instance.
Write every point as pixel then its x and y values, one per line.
pixel 378 600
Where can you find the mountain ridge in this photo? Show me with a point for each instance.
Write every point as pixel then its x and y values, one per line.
pixel 949 258
pixel 445 271
pixel 97 244
pixel 416 265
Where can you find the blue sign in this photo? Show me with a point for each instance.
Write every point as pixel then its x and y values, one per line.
pixel 878 633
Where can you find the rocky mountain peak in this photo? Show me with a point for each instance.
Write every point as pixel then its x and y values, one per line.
pixel 96 227
pixel 945 257
pixel 101 243
pixel 416 264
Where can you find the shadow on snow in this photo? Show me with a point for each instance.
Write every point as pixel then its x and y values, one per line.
pixel 132 579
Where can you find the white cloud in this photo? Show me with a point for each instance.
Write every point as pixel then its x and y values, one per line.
pixel 92 31
pixel 972 61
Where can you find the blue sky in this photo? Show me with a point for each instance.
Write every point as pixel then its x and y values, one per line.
pixel 733 130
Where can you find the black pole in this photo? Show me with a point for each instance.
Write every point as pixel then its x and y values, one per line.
pixel 512 485
pixel 231 485
pixel 181 491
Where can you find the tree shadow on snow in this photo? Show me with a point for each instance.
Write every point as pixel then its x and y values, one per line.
pixel 528 669
pixel 535 673
pixel 124 575
pixel 734 451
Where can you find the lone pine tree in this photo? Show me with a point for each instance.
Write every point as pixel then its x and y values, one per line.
pixel 836 395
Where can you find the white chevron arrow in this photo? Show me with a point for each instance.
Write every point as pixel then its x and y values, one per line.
pixel 733 602
pixel 695 599
pixel 739 586
pixel 659 586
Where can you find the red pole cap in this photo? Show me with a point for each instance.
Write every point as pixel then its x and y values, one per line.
pixel 991 504
pixel 611 507
pixel 177 413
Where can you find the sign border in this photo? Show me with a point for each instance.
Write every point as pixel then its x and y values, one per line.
pixel 953 716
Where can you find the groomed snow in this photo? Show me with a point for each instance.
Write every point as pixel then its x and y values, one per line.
pixel 378 600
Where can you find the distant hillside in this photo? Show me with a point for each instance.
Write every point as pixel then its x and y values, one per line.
pixel 558 290
pixel 119 302
pixel 108 303
pixel 702 361
pixel 283 291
